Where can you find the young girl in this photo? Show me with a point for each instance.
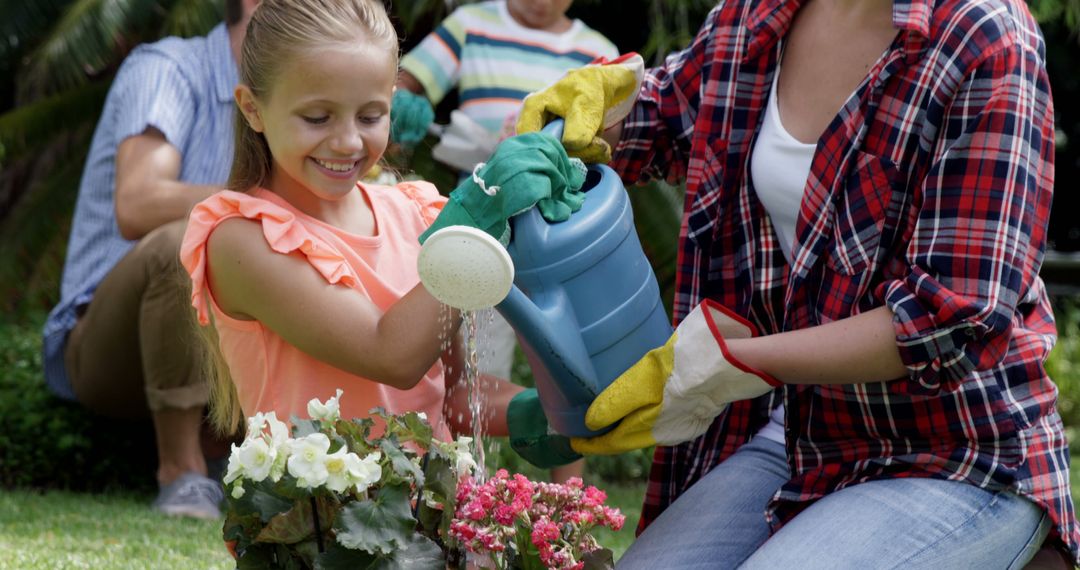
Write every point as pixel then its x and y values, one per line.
pixel 308 277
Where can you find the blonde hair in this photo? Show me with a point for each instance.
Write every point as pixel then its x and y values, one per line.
pixel 279 32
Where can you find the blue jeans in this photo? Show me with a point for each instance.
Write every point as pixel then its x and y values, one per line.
pixel 720 523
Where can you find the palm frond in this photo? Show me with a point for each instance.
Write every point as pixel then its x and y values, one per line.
pixel 33 233
pixel 89 37
pixel 25 129
pixel 418 12
pixel 21 21
pixel 189 18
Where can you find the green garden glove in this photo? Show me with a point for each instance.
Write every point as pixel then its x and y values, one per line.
pixel 530 436
pixel 525 171
pixel 591 99
pixel 410 117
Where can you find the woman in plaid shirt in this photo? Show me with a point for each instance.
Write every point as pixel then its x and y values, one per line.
pixel 887 314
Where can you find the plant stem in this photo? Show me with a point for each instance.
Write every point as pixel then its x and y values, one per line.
pixel 315 517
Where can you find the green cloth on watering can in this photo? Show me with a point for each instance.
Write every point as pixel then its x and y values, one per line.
pixel 530 436
pixel 410 117
pixel 529 170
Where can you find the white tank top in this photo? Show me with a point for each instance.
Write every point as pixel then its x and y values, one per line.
pixel 779 167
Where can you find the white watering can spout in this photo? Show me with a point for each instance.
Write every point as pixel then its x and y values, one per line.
pixel 465 268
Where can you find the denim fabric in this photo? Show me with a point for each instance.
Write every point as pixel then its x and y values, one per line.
pixel 896 523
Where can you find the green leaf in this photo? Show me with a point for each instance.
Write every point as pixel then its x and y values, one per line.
pixel 292 526
pixel 402 464
pixel 28 128
pixel 355 433
pixel 379 525
pixel 258 501
pixel 24 21
pixel 241 529
pixel 418 554
pixel 440 476
pixel 421 553
pixel 287 558
pixel 89 37
pixel 337 557
pixel 192 18
pixel 256 557
pixel 601 559
pixel 441 482
pixel 415 429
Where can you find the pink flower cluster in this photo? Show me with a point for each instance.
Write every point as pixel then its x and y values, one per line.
pixel 547 520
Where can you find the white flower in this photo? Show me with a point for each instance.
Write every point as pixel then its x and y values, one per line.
pixel 464 464
pixel 279 432
pixel 237 491
pixel 328 412
pixel 345 469
pixel 255 424
pixel 429 500
pixel 338 465
pixel 366 472
pixel 307 459
pixel 278 467
pixel 235 469
pixel 256 458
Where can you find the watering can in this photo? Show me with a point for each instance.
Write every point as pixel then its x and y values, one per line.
pixel 584 302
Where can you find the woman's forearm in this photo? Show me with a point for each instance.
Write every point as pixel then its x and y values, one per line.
pixel 855 350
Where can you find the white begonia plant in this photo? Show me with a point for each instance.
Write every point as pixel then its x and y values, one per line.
pixel 328 412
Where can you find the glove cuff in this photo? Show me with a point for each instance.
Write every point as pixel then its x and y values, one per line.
pixel 452 214
pixel 529 435
pixel 708 307
pixel 633 62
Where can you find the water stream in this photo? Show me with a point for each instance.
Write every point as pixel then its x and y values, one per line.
pixel 472 343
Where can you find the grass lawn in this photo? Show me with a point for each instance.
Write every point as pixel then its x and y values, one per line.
pixel 117 532
pixel 69 530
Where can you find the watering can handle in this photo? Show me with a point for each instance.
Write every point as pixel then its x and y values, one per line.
pixel 554 128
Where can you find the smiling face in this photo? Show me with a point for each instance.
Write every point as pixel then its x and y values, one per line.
pixel 326 119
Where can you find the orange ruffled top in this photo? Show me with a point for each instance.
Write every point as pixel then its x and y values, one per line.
pixel 271 374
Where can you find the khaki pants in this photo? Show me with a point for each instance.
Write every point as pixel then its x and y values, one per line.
pixel 135 349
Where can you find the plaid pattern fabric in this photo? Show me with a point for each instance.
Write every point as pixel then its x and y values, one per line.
pixel 930 194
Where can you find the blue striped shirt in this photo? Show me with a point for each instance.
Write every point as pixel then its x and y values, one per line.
pixel 181 87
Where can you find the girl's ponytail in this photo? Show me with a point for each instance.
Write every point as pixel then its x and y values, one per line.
pixel 251 159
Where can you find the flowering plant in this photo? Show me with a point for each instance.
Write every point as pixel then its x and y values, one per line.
pixel 327 494
pixel 522 524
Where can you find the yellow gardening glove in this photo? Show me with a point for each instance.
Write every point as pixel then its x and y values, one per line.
pixel 590 99
pixel 674 392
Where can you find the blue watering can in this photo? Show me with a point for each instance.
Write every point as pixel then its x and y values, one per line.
pixel 585 303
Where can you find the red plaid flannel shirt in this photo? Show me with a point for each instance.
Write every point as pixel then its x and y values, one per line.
pixel 929 193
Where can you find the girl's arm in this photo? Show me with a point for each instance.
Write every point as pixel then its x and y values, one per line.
pixel 855 350
pixel 497 394
pixel 332 323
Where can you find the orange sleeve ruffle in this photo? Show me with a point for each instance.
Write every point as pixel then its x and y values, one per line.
pixel 426 197
pixel 283 232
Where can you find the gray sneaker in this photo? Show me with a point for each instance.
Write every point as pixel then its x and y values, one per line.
pixel 191 495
